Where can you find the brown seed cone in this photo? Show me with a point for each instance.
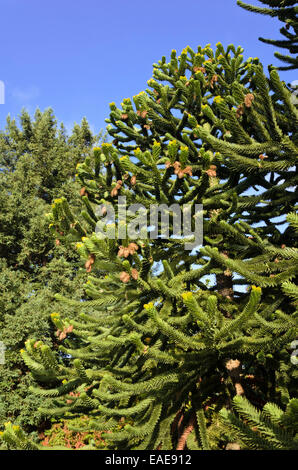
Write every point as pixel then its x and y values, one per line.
pixel 124 277
pixel 133 247
pixel 87 264
pixel 121 251
pixel 134 274
pixel 248 100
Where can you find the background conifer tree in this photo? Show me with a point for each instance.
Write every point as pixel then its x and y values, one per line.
pixel 37 161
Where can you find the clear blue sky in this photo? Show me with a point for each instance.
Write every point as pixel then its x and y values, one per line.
pixel 77 56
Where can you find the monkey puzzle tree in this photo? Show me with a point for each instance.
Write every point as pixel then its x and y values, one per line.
pixel 175 334
pixel 285 11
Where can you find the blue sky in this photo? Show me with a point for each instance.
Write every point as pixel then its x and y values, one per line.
pixel 77 56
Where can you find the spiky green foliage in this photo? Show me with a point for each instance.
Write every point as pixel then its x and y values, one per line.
pixel 269 429
pixel 176 333
pixel 285 11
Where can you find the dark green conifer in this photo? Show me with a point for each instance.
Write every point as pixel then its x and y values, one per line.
pixel 37 161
